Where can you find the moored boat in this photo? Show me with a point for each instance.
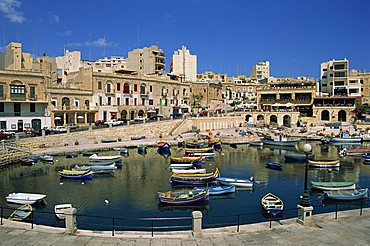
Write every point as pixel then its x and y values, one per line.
pixel 137 137
pixel 195 160
pixel 272 204
pixel 75 174
pixel 297 157
pixel 21 213
pixel 236 182
pixel 183 197
pixel 333 185
pixel 280 140
pixel 88 153
pixel 181 165
pixel 345 137
pixel 71 155
pixel 97 169
pixel 28 161
pixel 96 158
pixel 47 158
pixel 356 152
pixel 324 163
pixel 195 144
pixel 142 150
pixel 218 190
pixel 274 165
pixel 120 149
pixel 164 148
pixel 200 170
pixel 347 195
pixel 193 179
pixel 25 198
pixel 206 152
pixel 59 210
pixel 256 144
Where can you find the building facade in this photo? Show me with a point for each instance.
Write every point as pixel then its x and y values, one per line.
pixel 261 71
pixel 184 64
pixel 148 60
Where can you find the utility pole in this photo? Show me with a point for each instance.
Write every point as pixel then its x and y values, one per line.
pixel 89 34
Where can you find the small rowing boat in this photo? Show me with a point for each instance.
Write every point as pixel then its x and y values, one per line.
pixel 183 197
pixel 25 198
pixel 218 190
pixel 236 182
pixel 76 174
pixel 323 163
pixel 272 204
pixel 333 185
pixel 21 213
pixel 274 165
pixel 60 209
pixel 200 170
pixel 347 195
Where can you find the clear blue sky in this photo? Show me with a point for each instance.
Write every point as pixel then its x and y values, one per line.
pixel 227 36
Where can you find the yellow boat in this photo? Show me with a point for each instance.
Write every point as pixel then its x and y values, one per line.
pixel 21 213
pixel 324 163
pixel 196 175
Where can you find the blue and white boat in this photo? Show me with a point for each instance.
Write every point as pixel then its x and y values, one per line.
pixel 47 158
pixel 274 165
pixel 218 190
pixel 297 157
pixel 280 140
pixel 345 137
pixel 76 175
pixel 347 195
pixel 25 198
pixel 236 182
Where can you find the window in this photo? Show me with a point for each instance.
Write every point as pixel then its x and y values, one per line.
pixel 135 87
pixel 150 101
pixel 1 107
pixel 127 101
pixel 54 102
pixel 17 89
pixel 100 101
pixel 77 103
pixel 3 125
pixel 32 92
pixel 32 107
pixel 118 101
pixel 135 101
pixel 109 100
pixel 126 88
pixel 151 88
pixel 108 88
pixel 1 91
pixel 143 101
pixel 338 66
pixel 118 86
pixel 99 85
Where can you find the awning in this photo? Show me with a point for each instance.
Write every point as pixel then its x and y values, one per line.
pixel 57 118
pixel 80 117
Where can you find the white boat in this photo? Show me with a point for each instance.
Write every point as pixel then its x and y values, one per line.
pixel 236 182
pixel 345 137
pixel 181 165
pixel 98 169
pixel 47 158
pixel 25 198
pixel 112 158
pixel 333 185
pixel 280 140
pixel 100 163
pixel 59 210
pixel 201 170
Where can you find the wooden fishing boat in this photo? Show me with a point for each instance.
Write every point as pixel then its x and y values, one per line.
pixel 21 213
pixel 47 158
pixel 324 163
pixel 96 158
pixel 200 170
pixel 71 155
pixel 333 185
pixel 217 145
pixel 183 197
pixel 206 152
pixel 97 169
pixel 272 204
pixel 195 160
pixel 218 190
pixel 59 210
pixel 236 182
pixel 256 144
pixel 75 174
pixel 274 165
pixel 280 140
pixel 142 150
pixel 120 149
pixel 181 165
pixel 25 198
pixel 88 153
pixel 357 152
pixel 193 179
pixel 109 140
pixel 345 137
pixel 195 145
pixel 297 157
pixel 347 195
pixel 29 161
pixel 101 163
pixel 137 137
pixel 164 148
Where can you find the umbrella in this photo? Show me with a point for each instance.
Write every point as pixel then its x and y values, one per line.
pixel 80 117
pixel 57 118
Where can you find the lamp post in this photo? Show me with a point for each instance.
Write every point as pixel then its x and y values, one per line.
pixel 305 199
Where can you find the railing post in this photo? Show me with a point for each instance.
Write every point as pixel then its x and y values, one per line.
pixel 31 219
pixel 71 225
pixel 197 223
pixel 361 208
pixel 238 223
pixel 112 227
pixel 2 214
pixel 152 228
pixel 270 224
pixel 336 211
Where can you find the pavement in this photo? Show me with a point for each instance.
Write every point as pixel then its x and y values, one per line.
pixel 349 229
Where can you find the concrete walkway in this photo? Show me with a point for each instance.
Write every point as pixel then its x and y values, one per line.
pixel 349 229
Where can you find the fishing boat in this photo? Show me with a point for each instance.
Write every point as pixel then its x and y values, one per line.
pixel 181 166
pixel 25 198
pixel 183 197
pixel 137 137
pixel 21 213
pixel 87 154
pixel 218 190
pixel 164 148
pixel 96 158
pixel 345 137
pixel 272 204
pixel 100 163
pixel 324 163
pixel 71 155
pixel 142 150
pixel 195 145
pixel 47 158
pixel 297 157
pixel 76 174
pixel 29 161
pixel 200 170
pixel 195 160
pixel 236 182
pixel 347 195
pixel 355 152
pixel 274 165
pixel 217 145
pixel 206 152
pixel 256 144
pixel 333 185
pixel 120 149
pixel 280 140
pixel 109 140
pixel 193 179
pixel 97 169
pixel 60 209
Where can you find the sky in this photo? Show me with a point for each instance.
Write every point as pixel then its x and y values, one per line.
pixel 228 36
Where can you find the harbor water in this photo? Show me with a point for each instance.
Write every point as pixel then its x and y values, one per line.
pixel 131 192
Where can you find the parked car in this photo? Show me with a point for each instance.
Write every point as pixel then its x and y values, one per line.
pixel 99 123
pixel 140 118
pixel 155 117
pixel 203 113
pixel 72 126
pixel 114 122
pixel 5 135
pixel 27 130
pixel 176 115
pixel 47 130
pixel 60 129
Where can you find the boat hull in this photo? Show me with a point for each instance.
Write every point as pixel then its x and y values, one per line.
pixel 323 164
pixel 346 140
pixel 25 198
pixel 333 185
pixel 235 182
pixel 288 143
pixel 177 200
pixel 347 195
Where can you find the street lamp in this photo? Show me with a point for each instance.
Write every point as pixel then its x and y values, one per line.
pixel 305 199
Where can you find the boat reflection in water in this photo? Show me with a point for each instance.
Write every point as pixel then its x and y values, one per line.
pixel 203 206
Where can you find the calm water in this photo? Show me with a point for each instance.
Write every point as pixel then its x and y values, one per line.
pixel 132 190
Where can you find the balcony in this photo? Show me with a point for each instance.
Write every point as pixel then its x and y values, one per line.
pixel 23 114
pixel 285 101
pixel 17 97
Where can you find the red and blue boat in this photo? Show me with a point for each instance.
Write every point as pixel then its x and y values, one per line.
pixel 76 174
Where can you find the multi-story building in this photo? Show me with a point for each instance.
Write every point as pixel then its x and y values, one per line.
pixel 240 90
pixel 23 100
pixel 334 78
pixel 148 60
pixel 261 70
pixel 70 62
pixel 205 96
pixel 358 78
pixel 211 77
pixel 184 64
pixel 17 60
pixel 109 65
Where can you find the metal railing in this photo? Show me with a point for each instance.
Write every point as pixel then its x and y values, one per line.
pixel 156 224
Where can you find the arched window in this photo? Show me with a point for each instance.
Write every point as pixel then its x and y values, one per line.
pixel 325 115
pixel 287 120
pixel 126 88
pixel 142 89
pixel 273 119
pixel 342 116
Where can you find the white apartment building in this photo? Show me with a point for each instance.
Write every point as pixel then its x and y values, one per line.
pixel 184 64
pixel 110 65
pixel 261 70
pixel 69 63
